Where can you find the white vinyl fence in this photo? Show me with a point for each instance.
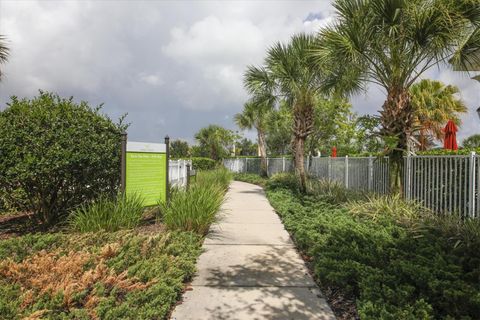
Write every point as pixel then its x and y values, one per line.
pixel 445 184
pixel 177 172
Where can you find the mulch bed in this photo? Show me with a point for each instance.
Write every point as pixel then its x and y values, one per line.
pixel 17 224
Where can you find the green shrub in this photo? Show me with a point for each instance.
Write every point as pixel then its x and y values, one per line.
pixel 199 163
pixel 443 152
pixel 193 209
pixel 283 181
pixel 12 200
pixel 108 213
pixel 251 178
pixel 58 153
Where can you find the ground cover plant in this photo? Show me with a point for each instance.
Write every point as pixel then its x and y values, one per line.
pixel 382 258
pixel 119 275
pixel 250 178
pixel 195 209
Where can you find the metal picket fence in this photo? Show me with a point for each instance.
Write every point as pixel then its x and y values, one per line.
pixel 177 172
pixel 445 184
pixel 359 173
pixel 252 165
pixel 368 173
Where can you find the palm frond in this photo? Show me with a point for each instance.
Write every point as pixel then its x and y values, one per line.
pixel 4 52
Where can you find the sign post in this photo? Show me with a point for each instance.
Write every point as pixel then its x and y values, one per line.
pixel 167 169
pixel 123 162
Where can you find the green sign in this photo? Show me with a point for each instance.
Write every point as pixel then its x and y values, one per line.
pixel 146 174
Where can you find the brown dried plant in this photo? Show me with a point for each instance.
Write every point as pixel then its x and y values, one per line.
pixel 55 273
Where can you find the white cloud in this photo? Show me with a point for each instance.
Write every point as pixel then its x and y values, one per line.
pixel 173 66
pixel 214 40
pixel 151 79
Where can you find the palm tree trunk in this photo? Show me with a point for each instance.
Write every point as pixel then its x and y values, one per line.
pixel 302 127
pixel 263 152
pixel 397 123
pixel 299 145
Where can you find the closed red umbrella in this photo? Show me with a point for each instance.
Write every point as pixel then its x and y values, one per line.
pixel 450 140
pixel 334 152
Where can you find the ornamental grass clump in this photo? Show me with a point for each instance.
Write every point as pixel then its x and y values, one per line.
pixel 194 209
pixel 391 206
pixel 108 214
pixel 219 177
pixel 332 191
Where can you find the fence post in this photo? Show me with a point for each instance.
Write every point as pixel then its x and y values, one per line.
pixel 178 171
pixel 123 162
pixel 188 175
pixel 283 164
pixel 329 169
pixel 346 172
pixel 246 165
pixel 471 187
pixel 267 165
pixel 370 173
pixel 408 180
pixel 167 184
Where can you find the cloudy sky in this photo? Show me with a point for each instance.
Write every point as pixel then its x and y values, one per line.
pixel 173 66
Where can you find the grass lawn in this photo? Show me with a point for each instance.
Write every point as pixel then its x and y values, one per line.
pixel 381 258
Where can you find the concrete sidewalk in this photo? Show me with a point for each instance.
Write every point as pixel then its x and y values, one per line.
pixel 249 268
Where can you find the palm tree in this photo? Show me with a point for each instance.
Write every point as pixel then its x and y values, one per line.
pixel 214 141
pixel 391 43
pixel 254 115
pixel 467 57
pixel 288 75
pixel 3 52
pixel 434 103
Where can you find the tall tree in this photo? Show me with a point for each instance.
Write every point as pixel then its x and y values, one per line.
pixel 215 141
pixel 391 43
pixel 254 115
pixel 179 149
pixel 3 53
pixel 367 134
pixel 434 103
pixel 334 125
pixel 279 130
pixel 472 141
pixel 288 75
pixel 245 147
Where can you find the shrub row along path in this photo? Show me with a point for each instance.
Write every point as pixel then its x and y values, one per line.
pixel 249 268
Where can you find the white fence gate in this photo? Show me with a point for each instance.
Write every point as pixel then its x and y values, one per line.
pixel 177 172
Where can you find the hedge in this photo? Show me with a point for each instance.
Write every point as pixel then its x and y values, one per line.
pixel 201 163
pixel 56 154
